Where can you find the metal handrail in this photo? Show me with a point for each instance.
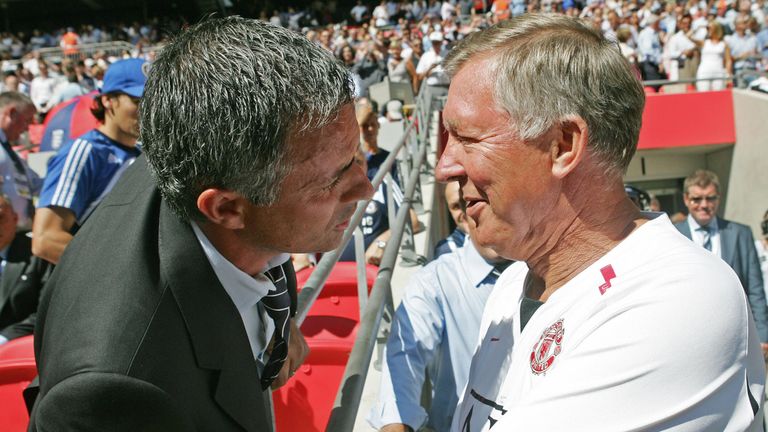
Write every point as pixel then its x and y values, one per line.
pixel 350 391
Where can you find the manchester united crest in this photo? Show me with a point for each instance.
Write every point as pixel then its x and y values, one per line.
pixel 547 348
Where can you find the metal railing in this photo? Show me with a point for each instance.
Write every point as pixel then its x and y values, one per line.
pixel 81 52
pixel 414 146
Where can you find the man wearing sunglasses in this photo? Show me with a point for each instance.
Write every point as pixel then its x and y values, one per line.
pixel 731 241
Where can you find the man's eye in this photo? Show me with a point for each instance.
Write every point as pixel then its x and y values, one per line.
pixel 334 183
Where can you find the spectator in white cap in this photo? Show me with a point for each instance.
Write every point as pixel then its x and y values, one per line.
pixel 430 67
pixel 394 111
pixel 82 173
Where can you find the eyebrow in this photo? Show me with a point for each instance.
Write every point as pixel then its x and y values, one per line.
pixel 344 169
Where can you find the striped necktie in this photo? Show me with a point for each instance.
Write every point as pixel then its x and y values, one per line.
pixel 706 231
pixel 277 304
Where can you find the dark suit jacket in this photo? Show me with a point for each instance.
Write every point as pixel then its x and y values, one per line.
pixel 135 332
pixel 20 288
pixel 737 248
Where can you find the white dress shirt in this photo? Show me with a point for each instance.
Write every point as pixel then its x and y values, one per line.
pixel 246 292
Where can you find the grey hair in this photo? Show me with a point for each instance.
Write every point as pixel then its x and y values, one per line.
pixel 701 178
pixel 223 100
pixel 551 67
pixel 20 100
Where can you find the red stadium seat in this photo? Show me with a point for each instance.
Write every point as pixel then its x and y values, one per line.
pixel 330 328
pixel 649 90
pixel 17 370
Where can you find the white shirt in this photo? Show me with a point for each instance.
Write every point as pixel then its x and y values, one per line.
pixel 655 335
pixel 438 75
pixel 245 292
pixel 434 332
pixel 698 236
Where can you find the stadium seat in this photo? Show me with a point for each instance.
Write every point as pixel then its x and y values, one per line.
pixel 330 328
pixel 649 90
pixel 17 370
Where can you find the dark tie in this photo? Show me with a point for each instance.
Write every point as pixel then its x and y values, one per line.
pixel 277 303
pixel 706 231
pixel 498 269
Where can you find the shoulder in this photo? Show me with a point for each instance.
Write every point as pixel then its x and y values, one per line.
pixel 725 224
pixel 93 401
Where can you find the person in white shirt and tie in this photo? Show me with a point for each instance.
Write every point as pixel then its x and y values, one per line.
pixel 731 241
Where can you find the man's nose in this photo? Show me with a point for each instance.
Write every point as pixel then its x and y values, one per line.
pixel 361 188
pixel 450 167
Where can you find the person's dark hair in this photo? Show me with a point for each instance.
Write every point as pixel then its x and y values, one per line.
pixel 97 107
pixel 223 99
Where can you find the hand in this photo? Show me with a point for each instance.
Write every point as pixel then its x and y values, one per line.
pixel 764 346
pixel 301 261
pixel 374 253
pixel 297 352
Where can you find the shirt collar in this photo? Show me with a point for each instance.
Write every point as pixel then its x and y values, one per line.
pixel 693 225
pixel 244 290
pixel 475 265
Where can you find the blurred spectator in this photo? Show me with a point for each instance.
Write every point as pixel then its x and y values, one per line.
pixel 82 173
pixel 715 59
pixel 68 89
pixel 19 183
pixel 456 239
pixel 649 51
pixel 401 69
pixel 41 89
pixel 430 67
pixel 743 49
pixel 380 14
pixel 680 51
pixel 359 12
pixel 731 241
pixel 762 251
pixel 371 69
pixel 434 332
pixel 393 111
pixel 70 41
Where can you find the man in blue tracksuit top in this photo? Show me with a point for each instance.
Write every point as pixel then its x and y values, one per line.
pixel 81 174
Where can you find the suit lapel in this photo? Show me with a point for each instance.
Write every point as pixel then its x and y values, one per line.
pixel 214 324
pixel 11 274
pixel 727 241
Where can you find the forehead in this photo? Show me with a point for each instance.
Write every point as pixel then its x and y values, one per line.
pixel 327 149
pixel 471 107
pixel 710 189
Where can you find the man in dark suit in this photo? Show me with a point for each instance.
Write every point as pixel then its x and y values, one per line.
pixel 731 241
pixel 160 312
pixel 20 280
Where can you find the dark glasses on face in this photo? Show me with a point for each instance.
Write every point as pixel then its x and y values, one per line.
pixel 698 199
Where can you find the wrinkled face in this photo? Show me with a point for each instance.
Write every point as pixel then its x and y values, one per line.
pixel 369 128
pixel 123 110
pixel 702 203
pixel 318 196
pixel 507 183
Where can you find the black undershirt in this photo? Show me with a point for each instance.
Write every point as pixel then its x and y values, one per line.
pixel 527 308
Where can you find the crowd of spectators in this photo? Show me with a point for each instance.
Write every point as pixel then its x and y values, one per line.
pixel 673 40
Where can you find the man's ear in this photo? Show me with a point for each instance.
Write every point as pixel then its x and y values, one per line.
pixel 569 145
pixel 223 207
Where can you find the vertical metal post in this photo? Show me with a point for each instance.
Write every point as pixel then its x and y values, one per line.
pixel 362 282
